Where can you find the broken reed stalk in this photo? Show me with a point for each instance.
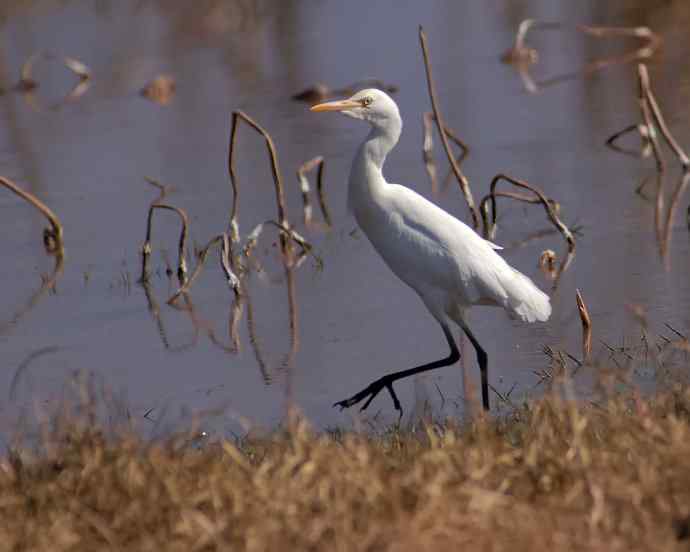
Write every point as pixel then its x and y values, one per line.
pixel 227 263
pixel 652 119
pixel 280 194
pixel 550 206
pixel 255 234
pixel 201 259
pixel 163 189
pixel 321 192
pixel 308 166
pixel 462 180
pixel 586 327
pixel 182 244
pixel 658 117
pixel 647 117
pixel 225 254
pixel 641 129
pixel 427 150
pixel 53 236
pixel 27 84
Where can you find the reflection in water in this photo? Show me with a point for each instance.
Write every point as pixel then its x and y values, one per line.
pixel 653 123
pixel 27 85
pixel 319 91
pixel 307 210
pixel 54 246
pixel 24 367
pixel 48 283
pixel 523 57
pixel 664 234
pixel 154 309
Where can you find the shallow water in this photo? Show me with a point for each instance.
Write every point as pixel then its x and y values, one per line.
pixel 355 320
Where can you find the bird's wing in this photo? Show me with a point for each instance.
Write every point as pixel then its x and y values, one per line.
pixel 440 250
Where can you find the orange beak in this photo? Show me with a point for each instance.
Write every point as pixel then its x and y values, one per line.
pixel 340 105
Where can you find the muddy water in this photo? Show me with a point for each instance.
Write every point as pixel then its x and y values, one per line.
pixel 354 319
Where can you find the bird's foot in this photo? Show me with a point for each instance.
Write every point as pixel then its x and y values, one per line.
pixel 371 391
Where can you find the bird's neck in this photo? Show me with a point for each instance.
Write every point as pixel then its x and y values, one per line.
pixel 366 176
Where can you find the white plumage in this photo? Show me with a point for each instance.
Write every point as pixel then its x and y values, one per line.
pixel 447 263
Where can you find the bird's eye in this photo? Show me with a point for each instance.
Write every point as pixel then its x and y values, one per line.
pixel 366 101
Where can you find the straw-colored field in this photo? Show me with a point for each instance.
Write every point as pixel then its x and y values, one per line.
pixel 551 476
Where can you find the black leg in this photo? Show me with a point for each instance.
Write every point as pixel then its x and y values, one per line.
pixel 386 381
pixel 483 361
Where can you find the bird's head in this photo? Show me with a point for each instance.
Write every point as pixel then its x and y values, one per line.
pixel 370 105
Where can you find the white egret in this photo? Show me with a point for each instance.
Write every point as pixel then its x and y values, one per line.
pixel 447 263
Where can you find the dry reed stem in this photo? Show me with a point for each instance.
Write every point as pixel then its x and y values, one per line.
pixel 586 327
pixel 427 150
pixel 646 111
pixel 254 235
pixel 53 236
pixel 227 263
pixel 280 194
pixel 308 166
pixel 321 191
pixel 658 117
pixel 462 180
pixel 549 205
pixel 565 264
pixel 201 259
pixel 642 131
pixel 652 119
pixel 182 243
pixel 163 189
pixel 233 281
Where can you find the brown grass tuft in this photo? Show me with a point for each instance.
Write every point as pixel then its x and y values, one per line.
pixel 551 476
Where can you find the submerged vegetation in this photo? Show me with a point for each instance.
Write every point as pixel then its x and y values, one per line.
pixel 552 474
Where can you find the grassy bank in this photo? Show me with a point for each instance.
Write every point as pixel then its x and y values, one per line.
pixel 550 476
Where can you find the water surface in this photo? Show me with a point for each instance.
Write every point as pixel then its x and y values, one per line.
pixel 355 320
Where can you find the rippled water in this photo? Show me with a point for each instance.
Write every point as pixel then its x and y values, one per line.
pixel 354 319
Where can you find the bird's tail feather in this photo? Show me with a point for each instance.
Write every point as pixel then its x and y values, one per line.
pixel 525 300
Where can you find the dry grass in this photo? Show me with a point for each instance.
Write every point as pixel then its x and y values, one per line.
pixel 550 476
